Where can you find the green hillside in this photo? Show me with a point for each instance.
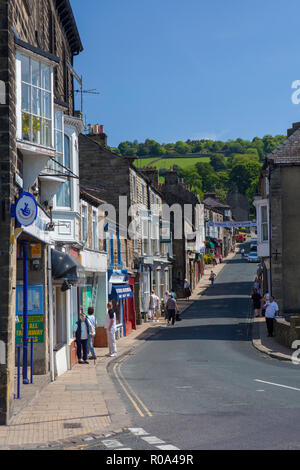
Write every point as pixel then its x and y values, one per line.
pixel 159 163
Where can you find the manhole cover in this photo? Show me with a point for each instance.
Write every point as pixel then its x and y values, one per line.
pixel 72 425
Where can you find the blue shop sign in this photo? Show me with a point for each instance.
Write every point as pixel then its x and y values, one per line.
pixel 26 209
pixel 122 291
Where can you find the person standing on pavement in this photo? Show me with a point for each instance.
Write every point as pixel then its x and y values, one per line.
pixel 172 308
pixel 256 300
pixel 187 289
pixel 220 258
pixel 271 310
pixel 93 325
pixel 110 326
pixel 82 335
pixel 152 306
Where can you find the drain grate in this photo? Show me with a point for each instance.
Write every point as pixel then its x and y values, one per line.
pixel 72 425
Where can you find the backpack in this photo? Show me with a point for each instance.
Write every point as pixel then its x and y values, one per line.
pixel 92 329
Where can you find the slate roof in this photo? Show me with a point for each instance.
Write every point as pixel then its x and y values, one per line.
pixel 287 153
pixel 211 202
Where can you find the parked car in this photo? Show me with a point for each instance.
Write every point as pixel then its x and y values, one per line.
pixel 252 257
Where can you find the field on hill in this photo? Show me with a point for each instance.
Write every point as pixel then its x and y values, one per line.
pixel 182 162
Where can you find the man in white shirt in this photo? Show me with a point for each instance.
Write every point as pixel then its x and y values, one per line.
pixel 270 313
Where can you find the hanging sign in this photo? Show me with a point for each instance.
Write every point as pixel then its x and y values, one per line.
pixel 26 209
pixel 228 224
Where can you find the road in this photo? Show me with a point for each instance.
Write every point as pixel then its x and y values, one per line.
pixel 200 384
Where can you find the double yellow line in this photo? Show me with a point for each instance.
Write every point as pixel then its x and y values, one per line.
pixel 135 400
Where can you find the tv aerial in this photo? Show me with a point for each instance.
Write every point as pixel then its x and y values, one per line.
pixel 82 92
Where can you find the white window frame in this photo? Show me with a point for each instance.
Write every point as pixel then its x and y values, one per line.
pixel 264 224
pixel 84 221
pixel 20 86
pixel 95 240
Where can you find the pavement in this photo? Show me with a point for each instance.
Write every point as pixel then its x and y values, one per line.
pixel 83 404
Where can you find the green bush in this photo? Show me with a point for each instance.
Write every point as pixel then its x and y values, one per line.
pixel 208 259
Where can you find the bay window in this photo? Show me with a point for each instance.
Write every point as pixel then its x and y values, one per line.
pixel 36 96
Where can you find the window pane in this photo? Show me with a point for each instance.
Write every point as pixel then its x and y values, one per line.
pixel 67 151
pixel 46 128
pixel 26 97
pixel 25 126
pixel 25 66
pixel 63 197
pixel 46 97
pixel 36 101
pixel 264 214
pixel 58 142
pixel 35 70
pixel 58 120
pixel 46 77
pixel 36 130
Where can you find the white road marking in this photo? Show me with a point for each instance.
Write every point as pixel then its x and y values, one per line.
pixel 138 431
pixel 112 443
pixel 153 440
pixel 277 385
pixel 167 447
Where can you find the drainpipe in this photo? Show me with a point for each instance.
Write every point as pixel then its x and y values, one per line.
pixel 50 296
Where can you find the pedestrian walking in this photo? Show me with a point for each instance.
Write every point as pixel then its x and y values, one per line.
pixel 212 277
pixel 256 285
pixel 242 252
pixel 256 300
pixel 271 310
pixel 259 272
pixel 187 289
pixel 166 297
pixel 82 335
pixel 172 308
pixel 214 261
pixel 152 306
pixel 220 258
pixel 173 293
pixel 110 326
pixel 93 325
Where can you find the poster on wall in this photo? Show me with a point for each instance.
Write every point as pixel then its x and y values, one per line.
pixel 35 314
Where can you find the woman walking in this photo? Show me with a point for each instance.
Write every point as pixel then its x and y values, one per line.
pixel 256 300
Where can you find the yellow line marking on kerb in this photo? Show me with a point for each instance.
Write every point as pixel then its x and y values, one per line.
pixel 122 381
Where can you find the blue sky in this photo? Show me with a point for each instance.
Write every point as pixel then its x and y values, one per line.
pixel 171 70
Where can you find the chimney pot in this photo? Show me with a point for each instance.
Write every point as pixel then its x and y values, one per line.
pixel 101 129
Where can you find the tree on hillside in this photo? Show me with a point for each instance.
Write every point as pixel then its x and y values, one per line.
pixel 208 176
pixel 243 174
pixel 218 162
pixel 182 147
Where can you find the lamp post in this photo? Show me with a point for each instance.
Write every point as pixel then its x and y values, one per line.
pixel 25 312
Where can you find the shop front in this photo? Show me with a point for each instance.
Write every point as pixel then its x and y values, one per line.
pixel 68 276
pixel 121 294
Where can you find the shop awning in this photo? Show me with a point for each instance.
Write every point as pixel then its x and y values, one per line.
pixel 65 267
pixel 210 245
pixel 121 291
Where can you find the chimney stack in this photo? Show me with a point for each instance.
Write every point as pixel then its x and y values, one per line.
pixel 97 132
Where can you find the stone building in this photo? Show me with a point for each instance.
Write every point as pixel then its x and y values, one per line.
pixel 39 42
pixel 277 206
pixel 188 246
pixel 217 211
pixel 134 203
